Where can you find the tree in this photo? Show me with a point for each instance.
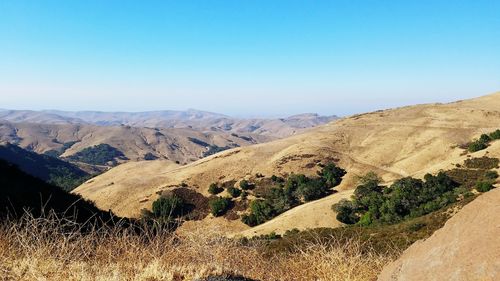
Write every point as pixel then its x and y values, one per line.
pixel 219 206
pixel 331 174
pixel 477 145
pixel 312 190
pixel 261 210
pixel 215 189
pixel 495 135
pixel 346 212
pixel 485 138
pixel 168 207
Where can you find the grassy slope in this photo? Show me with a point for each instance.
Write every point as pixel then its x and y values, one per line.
pixel 405 141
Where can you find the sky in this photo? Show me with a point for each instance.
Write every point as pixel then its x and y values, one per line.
pixel 246 57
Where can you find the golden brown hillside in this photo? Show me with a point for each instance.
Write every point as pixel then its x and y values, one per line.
pixel 398 142
pixel 176 144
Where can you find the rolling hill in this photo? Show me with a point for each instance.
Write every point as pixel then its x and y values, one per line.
pixel 193 119
pixel 135 143
pixel 406 141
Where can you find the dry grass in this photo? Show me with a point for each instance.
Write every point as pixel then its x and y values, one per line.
pixel 55 249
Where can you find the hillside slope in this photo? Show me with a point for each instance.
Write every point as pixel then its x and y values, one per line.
pixel 46 168
pixel 398 142
pixel 466 248
pixel 183 145
pixel 20 192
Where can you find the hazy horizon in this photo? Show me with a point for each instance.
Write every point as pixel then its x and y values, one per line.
pixel 246 59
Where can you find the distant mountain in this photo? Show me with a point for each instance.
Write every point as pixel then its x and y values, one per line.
pixel 193 119
pixel 46 168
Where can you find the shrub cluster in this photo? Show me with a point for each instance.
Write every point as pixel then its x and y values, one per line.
pixel 98 155
pixel 484 186
pixel 295 190
pixel 219 206
pixel 168 207
pixel 405 198
pixel 483 141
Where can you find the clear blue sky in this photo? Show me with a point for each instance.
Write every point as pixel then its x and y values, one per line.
pixel 246 57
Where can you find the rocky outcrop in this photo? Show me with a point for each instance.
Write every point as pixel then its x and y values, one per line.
pixel 466 248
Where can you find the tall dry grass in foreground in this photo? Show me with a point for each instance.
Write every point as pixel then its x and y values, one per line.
pixel 44 249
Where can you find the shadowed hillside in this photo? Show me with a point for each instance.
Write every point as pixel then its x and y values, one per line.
pixel 46 168
pixel 20 192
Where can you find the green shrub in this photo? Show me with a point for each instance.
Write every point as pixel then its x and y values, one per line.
pixel 168 207
pixel 277 179
pixel 491 175
pixel 495 135
pixel 484 186
pixel 215 189
pixel 234 192
pixel 483 141
pixel 250 220
pixel 312 190
pixel 485 138
pixel 260 212
pixel 346 212
pixel 405 198
pixel 219 206
pixel 244 195
pixel 477 146
pixel 331 174
pixel 245 185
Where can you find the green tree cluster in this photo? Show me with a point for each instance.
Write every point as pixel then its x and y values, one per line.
pixel 296 189
pixel 168 207
pixel 405 198
pixel 219 206
pixel 483 141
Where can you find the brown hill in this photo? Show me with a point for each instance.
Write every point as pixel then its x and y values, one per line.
pixel 193 119
pixel 466 248
pixel 399 142
pixel 182 145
